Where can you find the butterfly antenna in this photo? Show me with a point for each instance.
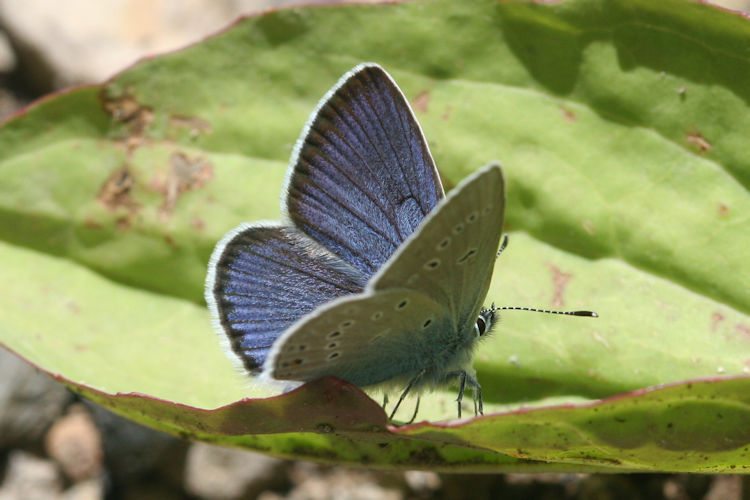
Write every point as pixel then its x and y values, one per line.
pixel 502 246
pixel 590 314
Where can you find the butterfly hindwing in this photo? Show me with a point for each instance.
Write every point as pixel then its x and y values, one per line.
pixel 364 339
pixel 362 175
pixel 264 279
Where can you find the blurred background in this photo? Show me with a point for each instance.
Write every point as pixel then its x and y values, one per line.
pixel 54 445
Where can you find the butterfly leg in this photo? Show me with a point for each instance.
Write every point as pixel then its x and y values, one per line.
pixel 461 386
pixel 461 376
pixel 385 400
pixel 476 389
pixel 416 409
pixel 406 391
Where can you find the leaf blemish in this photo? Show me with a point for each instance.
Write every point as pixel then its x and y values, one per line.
pixel 447 114
pixel 125 108
pixel 195 125
pixel 116 191
pixel 421 101
pixel 696 139
pixel 197 223
pixel 171 241
pixel 568 114
pixel 743 329
pixel 716 318
pixel 559 281
pixel 185 174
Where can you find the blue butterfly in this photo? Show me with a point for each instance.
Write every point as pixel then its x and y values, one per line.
pixel 374 275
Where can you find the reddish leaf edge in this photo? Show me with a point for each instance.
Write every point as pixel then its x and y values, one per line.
pixel 323 406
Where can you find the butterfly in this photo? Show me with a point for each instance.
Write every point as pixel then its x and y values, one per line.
pixel 374 275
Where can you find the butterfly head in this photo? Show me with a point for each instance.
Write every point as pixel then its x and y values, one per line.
pixel 485 321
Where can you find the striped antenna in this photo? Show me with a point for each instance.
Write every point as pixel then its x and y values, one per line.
pixel 591 314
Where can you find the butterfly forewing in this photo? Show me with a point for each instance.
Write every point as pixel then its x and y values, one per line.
pixel 265 278
pixel 363 178
pixel 452 255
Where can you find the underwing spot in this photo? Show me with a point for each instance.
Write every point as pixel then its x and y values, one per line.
pixel 487 210
pixel 346 324
pixel 466 256
pixel 432 264
pixel 332 345
pixel 334 334
pixel 297 362
pixel 402 305
pixel 458 229
pixel 472 217
pixel 377 315
pixel 427 323
pixel 333 356
pixel 301 347
pixel 444 244
pixel 379 335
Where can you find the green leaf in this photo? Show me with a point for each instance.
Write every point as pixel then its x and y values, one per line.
pixel 622 130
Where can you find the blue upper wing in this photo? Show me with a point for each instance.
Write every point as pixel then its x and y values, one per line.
pixel 363 178
pixel 263 278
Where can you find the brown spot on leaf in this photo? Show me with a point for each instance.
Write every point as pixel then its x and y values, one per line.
pixel 122 109
pixel 559 281
pixel 185 174
pixel 73 307
pixel 723 210
pixel 696 139
pixel 568 114
pixel 197 223
pixel 447 114
pixel 196 125
pixel 743 329
pixel 421 101
pixel 170 241
pixel 127 109
pixel 716 319
pixel 116 191
pixel 91 224
pixel 123 223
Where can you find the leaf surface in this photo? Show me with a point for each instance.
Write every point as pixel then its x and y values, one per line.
pixel 622 130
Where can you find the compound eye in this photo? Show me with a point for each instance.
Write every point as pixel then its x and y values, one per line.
pixel 480 328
